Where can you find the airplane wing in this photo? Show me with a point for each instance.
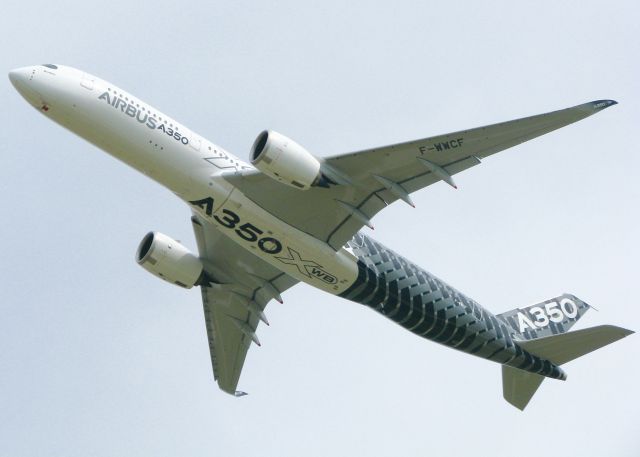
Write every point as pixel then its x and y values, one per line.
pixel 241 285
pixel 372 179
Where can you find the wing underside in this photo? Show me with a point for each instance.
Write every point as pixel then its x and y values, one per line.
pixel 375 178
pixel 240 286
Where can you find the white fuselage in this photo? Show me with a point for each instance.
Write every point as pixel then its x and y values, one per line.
pixel 186 163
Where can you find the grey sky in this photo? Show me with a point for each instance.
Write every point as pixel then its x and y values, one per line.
pixel 99 358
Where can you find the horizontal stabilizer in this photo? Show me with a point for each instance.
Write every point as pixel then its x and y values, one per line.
pixel 566 347
pixel 518 386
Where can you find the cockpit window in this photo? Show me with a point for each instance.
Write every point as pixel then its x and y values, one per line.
pixel 50 65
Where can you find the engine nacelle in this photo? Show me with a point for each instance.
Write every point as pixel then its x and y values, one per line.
pixel 286 161
pixel 169 260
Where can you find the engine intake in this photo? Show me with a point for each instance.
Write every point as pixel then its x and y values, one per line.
pixel 167 259
pixel 286 161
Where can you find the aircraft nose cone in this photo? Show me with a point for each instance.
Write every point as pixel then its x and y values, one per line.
pixel 23 80
pixel 20 77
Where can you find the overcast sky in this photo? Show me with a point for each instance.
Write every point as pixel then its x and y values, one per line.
pixel 100 358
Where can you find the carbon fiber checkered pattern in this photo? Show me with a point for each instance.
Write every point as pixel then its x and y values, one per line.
pixel 428 307
pixel 569 304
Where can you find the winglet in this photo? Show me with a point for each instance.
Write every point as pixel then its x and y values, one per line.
pixel 598 105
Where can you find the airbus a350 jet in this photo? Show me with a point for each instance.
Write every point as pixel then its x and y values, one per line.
pixel 291 216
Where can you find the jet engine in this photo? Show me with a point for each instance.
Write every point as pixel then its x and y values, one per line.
pixel 169 260
pixel 286 161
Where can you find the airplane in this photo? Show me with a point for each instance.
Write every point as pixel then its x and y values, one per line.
pixel 290 216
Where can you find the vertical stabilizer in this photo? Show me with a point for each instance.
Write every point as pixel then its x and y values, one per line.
pixel 553 316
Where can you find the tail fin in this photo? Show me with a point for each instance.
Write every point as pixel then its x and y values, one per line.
pixel 553 316
pixel 518 386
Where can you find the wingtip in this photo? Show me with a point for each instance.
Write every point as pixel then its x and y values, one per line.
pixel 599 105
pixel 627 332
